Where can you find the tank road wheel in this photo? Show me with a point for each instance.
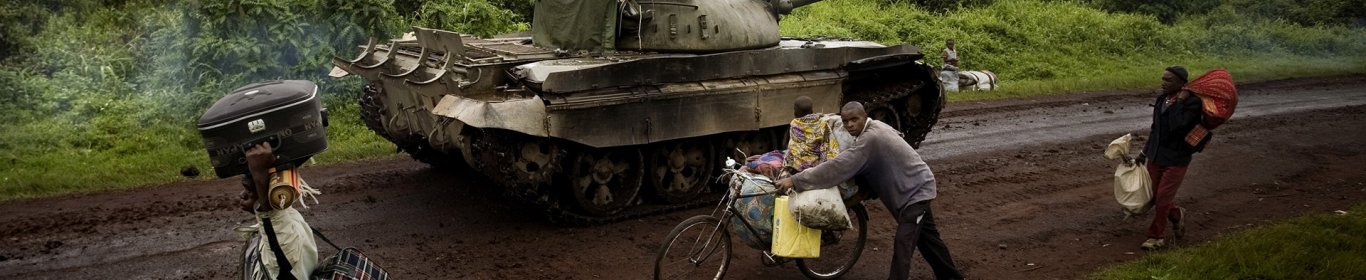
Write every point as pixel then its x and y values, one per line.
pixel 916 129
pixel 536 159
pixel 466 146
pixel 920 114
pixel 679 170
pixel 752 143
pixel 779 136
pixel 604 182
pixel 885 114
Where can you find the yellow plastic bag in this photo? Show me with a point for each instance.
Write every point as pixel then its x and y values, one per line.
pixel 790 238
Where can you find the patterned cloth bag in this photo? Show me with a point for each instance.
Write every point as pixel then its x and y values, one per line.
pixel 347 264
pixel 756 208
pixel 810 142
pixel 769 164
pixel 1217 93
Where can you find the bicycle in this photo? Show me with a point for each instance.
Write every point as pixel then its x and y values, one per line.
pixel 704 236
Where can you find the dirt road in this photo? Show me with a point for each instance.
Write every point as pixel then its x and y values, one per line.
pixel 1024 194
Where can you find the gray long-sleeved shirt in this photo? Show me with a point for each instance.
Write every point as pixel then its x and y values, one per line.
pixel 886 164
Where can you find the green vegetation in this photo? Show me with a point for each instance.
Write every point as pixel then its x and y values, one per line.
pixel 1322 246
pixel 1039 47
pixel 105 94
pixel 102 94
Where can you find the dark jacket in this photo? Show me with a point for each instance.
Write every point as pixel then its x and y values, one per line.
pixel 883 162
pixel 1167 141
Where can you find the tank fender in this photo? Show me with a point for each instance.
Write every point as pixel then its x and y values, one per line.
pixel 882 61
pixel 521 115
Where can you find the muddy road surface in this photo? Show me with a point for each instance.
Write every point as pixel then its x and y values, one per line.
pixel 1024 194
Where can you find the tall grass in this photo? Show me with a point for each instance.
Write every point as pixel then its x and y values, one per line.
pixel 1321 246
pixel 1055 47
pixel 105 95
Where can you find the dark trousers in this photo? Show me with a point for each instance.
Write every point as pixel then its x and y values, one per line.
pixel 1166 180
pixel 911 234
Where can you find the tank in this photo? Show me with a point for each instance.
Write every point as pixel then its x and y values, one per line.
pixel 610 110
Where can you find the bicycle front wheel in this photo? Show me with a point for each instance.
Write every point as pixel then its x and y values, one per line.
pixel 694 249
pixel 840 250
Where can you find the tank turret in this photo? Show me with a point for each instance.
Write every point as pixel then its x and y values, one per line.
pixel 691 26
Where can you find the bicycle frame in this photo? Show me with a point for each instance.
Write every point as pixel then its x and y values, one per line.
pixel 728 203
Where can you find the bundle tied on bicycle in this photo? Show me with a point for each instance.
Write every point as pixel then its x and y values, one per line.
pixel 814 139
pixel 703 243
pixel 755 225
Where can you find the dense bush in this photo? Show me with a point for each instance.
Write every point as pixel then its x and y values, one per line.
pixel 1302 12
pixel 944 5
pixel 1166 11
pixel 105 93
pixel 477 17
pixel 1038 40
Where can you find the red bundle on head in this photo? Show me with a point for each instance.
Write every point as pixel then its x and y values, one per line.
pixel 1218 93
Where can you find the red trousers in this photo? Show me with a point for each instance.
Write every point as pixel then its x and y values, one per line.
pixel 1166 180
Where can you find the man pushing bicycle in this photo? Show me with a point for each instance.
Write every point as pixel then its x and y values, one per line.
pixel 894 172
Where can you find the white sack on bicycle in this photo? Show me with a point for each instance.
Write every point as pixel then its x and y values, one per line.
pixel 820 209
pixel 1133 186
pixel 847 189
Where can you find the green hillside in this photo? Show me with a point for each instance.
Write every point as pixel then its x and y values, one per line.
pixel 103 94
pixel 1058 47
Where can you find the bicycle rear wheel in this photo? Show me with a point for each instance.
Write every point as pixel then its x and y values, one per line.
pixel 692 248
pixel 840 250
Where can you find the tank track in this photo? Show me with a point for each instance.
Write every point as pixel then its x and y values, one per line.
pixel 492 150
pixel 495 152
pixel 372 115
pixel 566 218
pixel 372 111
pixel 895 94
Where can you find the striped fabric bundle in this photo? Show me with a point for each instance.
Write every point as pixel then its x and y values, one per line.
pixel 1219 95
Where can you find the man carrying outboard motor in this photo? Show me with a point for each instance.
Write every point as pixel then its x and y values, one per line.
pixel 293 237
pixel 263 131
pixel 895 173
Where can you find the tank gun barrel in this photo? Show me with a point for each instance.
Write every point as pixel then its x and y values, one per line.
pixel 786 6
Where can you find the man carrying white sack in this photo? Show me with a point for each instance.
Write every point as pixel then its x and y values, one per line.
pixel 898 176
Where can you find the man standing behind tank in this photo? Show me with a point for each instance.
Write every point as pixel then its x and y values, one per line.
pixel 1175 113
pixel 899 177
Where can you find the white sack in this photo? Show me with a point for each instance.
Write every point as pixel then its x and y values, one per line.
pixel 949 79
pixel 837 132
pixel 821 209
pixel 976 80
pixel 1118 148
pixel 1133 186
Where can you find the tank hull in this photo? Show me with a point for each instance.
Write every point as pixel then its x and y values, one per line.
pixel 598 138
